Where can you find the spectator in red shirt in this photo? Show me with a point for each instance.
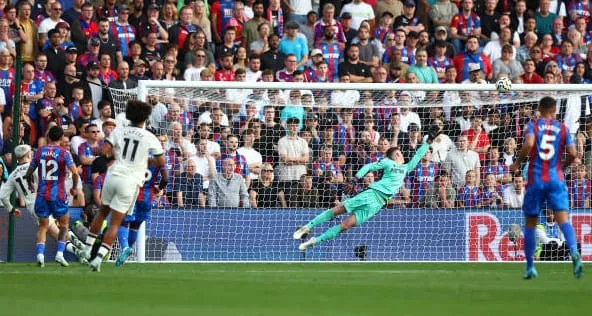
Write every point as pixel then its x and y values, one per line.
pixel 478 139
pixel 226 73
pixel 529 75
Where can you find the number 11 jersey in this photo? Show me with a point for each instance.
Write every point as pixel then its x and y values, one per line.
pixel 133 147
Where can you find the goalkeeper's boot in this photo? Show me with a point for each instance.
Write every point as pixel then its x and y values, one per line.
pixel 530 274
pixel 76 242
pixel 40 260
pixel 80 255
pixel 125 253
pixel 95 264
pixel 85 252
pixel 300 232
pixel 578 267
pixel 60 259
pixel 309 243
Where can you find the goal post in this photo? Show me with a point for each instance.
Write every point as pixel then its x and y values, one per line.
pixel 415 226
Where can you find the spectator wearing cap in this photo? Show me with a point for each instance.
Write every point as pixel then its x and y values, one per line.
pixel 441 14
pixel 89 26
pixel 27 48
pixel 463 26
pixel 439 61
pixel 424 72
pixel 359 11
pixel 470 57
pixel 179 32
pixel 65 41
pixel 441 36
pixel 294 44
pixel 346 23
pixel 138 71
pixel 93 85
pixel 251 27
pixel 408 21
pixel 50 22
pixel 311 71
pixel 357 71
pixel 109 44
pixel 92 53
pixel 384 27
pixel 107 11
pixel 328 18
pixel 41 72
pixel 125 31
pixel 152 24
pixel 331 52
pixel 56 58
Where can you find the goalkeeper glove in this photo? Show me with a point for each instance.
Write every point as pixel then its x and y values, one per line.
pixel 350 187
pixel 433 132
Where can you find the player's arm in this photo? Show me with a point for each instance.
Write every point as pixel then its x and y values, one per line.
pixel 5 192
pixel 375 166
pixel 421 151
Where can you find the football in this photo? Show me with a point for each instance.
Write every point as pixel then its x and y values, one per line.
pixel 503 84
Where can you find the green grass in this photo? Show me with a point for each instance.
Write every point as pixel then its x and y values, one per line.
pixel 293 289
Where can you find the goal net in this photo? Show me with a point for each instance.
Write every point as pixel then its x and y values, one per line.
pixel 251 162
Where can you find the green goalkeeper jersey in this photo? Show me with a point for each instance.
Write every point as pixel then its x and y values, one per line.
pixel 393 174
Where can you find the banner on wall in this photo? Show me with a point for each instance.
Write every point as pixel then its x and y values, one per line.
pixel 266 235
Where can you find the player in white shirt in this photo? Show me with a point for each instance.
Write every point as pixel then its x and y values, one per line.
pixel 17 182
pixel 131 146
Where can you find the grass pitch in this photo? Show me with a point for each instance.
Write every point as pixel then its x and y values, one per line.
pixel 293 289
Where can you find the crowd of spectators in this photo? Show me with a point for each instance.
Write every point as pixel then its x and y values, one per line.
pixel 297 148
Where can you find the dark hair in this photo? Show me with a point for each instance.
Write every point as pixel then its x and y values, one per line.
pixel 99 165
pixel 546 104
pixel 89 126
pixel 103 103
pixel 390 151
pixel 55 133
pixel 85 101
pixel 293 120
pixel 137 111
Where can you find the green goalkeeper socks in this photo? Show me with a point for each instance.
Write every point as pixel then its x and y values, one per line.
pixel 329 234
pixel 321 218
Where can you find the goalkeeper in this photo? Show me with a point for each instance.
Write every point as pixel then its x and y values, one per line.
pixel 368 203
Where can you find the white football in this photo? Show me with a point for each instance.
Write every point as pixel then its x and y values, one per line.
pixel 503 84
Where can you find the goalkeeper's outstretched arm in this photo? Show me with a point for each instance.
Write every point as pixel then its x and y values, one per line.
pixel 379 165
pixel 421 151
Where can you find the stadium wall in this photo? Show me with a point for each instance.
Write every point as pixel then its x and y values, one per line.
pixel 266 235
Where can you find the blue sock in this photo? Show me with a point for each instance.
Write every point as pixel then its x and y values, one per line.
pixel 133 235
pixel 61 247
pixel 122 236
pixel 570 237
pixel 40 248
pixel 529 246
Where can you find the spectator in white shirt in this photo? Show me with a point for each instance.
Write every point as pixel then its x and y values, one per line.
pixel 253 157
pixel 514 193
pixel 407 116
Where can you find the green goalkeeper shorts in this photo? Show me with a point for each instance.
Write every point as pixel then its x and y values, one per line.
pixel 365 205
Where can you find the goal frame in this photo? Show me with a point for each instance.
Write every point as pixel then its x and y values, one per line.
pixel 145 85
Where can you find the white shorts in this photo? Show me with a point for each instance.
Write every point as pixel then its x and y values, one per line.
pixel 119 194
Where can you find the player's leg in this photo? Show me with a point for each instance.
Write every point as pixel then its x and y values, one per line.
pixel 319 219
pixel 63 223
pixel 559 200
pixel 95 229
pixel 122 237
pixel 531 208
pixel 40 242
pixel 330 233
pixel 42 213
pixel 108 238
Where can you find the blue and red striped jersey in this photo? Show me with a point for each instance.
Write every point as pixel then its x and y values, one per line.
pixel 241 165
pixel 580 192
pixel 147 192
pixel 52 163
pixel 421 178
pixel 551 137
pixel 86 150
pixel 99 181
pixel 332 54
pixel 125 34
pixel 469 196
pixel 44 76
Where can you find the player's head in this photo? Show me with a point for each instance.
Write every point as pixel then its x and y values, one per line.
pixel 137 111
pixel 394 153
pixel 547 106
pixel 22 152
pixel 99 165
pixel 55 134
